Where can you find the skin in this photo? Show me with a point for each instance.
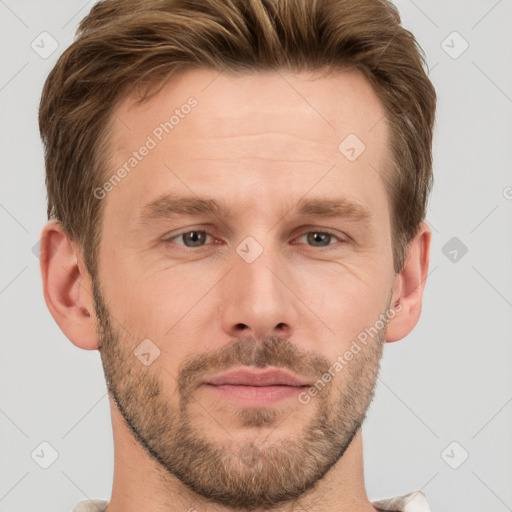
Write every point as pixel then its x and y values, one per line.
pixel 261 143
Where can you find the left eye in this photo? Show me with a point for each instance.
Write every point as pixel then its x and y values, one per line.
pixel 321 237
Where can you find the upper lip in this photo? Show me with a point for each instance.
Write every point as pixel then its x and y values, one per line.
pixel 257 378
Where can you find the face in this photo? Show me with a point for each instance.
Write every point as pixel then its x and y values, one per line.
pixel 244 238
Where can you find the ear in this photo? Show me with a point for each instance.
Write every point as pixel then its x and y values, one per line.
pixel 409 285
pixel 67 286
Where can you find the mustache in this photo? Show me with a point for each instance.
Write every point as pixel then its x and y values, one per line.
pixel 274 351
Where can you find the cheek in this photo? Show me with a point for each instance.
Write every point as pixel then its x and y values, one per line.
pixel 347 299
pixel 175 307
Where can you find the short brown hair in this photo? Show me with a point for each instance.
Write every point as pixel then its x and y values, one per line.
pixel 123 46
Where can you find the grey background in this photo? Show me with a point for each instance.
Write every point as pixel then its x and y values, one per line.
pixel 449 381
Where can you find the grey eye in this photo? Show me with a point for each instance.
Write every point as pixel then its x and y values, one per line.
pixel 318 238
pixel 193 238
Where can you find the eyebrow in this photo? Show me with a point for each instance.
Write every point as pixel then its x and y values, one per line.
pixel 168 206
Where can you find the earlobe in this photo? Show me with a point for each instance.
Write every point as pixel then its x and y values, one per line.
pixel 409 286
pixel 67 286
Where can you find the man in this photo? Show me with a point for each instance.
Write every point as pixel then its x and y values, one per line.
pixel 236 195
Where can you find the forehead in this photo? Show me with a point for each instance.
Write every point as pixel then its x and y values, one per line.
pixel 278 129
pixel 333 104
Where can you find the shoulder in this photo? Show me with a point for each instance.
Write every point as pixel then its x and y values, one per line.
pixel 91 506
pixel 413 502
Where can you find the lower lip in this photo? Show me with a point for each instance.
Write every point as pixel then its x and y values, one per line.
pixel 256 395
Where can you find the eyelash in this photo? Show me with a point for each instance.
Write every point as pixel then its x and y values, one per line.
pixel 210 233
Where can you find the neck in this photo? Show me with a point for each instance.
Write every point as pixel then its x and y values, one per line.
pixel 141 483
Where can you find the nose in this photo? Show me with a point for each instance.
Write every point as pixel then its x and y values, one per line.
pixel 260 298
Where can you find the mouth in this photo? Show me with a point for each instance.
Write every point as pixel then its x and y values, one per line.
pixel 270 377
pixel 256 388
